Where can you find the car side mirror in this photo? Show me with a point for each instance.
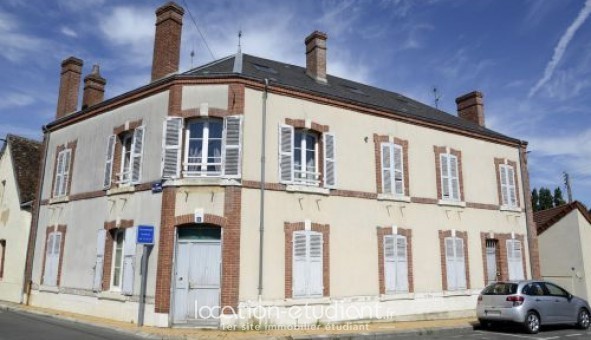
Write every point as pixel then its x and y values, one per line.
pixel 570 297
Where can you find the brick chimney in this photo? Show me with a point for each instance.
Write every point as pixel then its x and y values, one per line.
pixel 67 101
pixel 167 41
pixel 471 107
pixel 316 56
pixel 94 88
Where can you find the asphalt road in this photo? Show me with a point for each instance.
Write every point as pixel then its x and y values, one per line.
pixel 16 325
pixel 507 332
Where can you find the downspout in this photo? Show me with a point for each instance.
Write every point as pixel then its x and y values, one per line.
pixel 262 202
pixel 532 244
pixel 33 230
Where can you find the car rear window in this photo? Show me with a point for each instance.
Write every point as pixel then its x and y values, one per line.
pixel 500 288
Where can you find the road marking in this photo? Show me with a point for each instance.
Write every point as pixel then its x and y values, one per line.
pixel 574 334
pixel 551 338
pixel 513 335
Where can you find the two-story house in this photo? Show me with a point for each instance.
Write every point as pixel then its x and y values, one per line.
pixel 273 187
pixel 19 171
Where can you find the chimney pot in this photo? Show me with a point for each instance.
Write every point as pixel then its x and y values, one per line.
pixel 167 40
pixel 316 56
pixel 94 88
pixel 67 100
pixel 471 107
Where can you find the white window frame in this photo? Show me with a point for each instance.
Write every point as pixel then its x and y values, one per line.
pixel 395 287
pixel 113 287
pixel 456 266
pixel 300 176
pixel 203 172
pixel 52 258
pixel 391 147
pixel 508 190
pixel 125 174
pixel 62 173
pixel 448 158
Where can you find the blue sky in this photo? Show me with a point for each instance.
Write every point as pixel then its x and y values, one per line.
pixel 530 58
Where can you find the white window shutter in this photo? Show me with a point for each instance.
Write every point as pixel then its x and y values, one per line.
pixel 129 246
pixel 59 174
pixel 286 137
pixel 386 168
pixel 231 149
pixel 389 264
pixel 171 154
pixel 454 177
pixel 504 191
pixel 100 260
pixel 514 260
pixel 330 179
pixel 460 264
pixel 300 260
pixel 137 151
pixel 109 161
pixel 66 171
pixel 315 270
pixel 398 170
pixel 401 264
pixel 512 199
pixel 450 263
pixel 444 162
pixel 47 272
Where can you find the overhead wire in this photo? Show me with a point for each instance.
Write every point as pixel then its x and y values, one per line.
pixel 198 30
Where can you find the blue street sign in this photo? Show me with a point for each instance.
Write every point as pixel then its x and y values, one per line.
pixel 145 234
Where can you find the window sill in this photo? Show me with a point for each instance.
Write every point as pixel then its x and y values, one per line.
pixel 49 289
pixel 393 198
pixel 510 209
pixel 307 189
pixel 307 301
pixel 112 296
pixel 201 181
pixel 447 203
pixel 121 190
pixel 459 292
pixel 61 199
pixel 397 296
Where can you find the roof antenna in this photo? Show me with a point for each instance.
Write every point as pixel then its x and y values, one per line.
pixel 436 96
pixel 239 41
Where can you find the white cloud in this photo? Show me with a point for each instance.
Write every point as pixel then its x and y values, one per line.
pixel 79 5
pixel 14 100
pixel 561 47
pixel 15 45
pixel 68 32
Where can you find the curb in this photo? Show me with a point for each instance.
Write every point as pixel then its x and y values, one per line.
pixel 388 334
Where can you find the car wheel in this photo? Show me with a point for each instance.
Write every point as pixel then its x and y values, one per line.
pixel 484 324
pixel 584 320
pixel 532 323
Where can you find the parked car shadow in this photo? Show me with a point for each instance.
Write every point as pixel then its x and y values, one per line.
pixel 512 328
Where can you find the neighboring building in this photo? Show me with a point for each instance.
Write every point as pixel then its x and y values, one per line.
pixel 565 247
pixel 19 171
pixel 373 201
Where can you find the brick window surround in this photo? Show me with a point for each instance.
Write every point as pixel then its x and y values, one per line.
pixel 230 223
pixel 324 229
pixel 2 257
pixel 459 234
pixel 384 231
pixel 378 140
pixel 443 150
pixel 72 146
pixel 111 227
pixel 319 129
pixel 501 254
pixel 119 131
pixel 60 228
pixel 498 162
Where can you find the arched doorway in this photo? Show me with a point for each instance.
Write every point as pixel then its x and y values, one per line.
pixel 197 275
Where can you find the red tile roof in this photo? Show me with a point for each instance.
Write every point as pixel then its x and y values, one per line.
pixel 547 218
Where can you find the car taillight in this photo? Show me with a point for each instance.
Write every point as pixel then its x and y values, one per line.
pixel 516 299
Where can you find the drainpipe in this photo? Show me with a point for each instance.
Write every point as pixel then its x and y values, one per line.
pixel 531 233
pixel 262 203
pixel 28 275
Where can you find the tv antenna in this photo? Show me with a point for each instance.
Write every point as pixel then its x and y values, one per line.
pixel 239 41
pixel 436 96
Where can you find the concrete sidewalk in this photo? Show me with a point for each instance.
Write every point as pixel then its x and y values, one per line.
pixel 373 330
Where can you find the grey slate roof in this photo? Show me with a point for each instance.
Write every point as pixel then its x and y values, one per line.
pixel 25 154
pixel 294 77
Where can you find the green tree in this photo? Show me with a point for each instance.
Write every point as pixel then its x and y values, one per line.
pixel 535 200
pixel 546 200
pixel 558 200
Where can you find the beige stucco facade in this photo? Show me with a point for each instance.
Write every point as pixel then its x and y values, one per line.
pixel 15 222
pixel 565 253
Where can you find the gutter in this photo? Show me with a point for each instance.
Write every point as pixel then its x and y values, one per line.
pixel 28 274
pixel 262 202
